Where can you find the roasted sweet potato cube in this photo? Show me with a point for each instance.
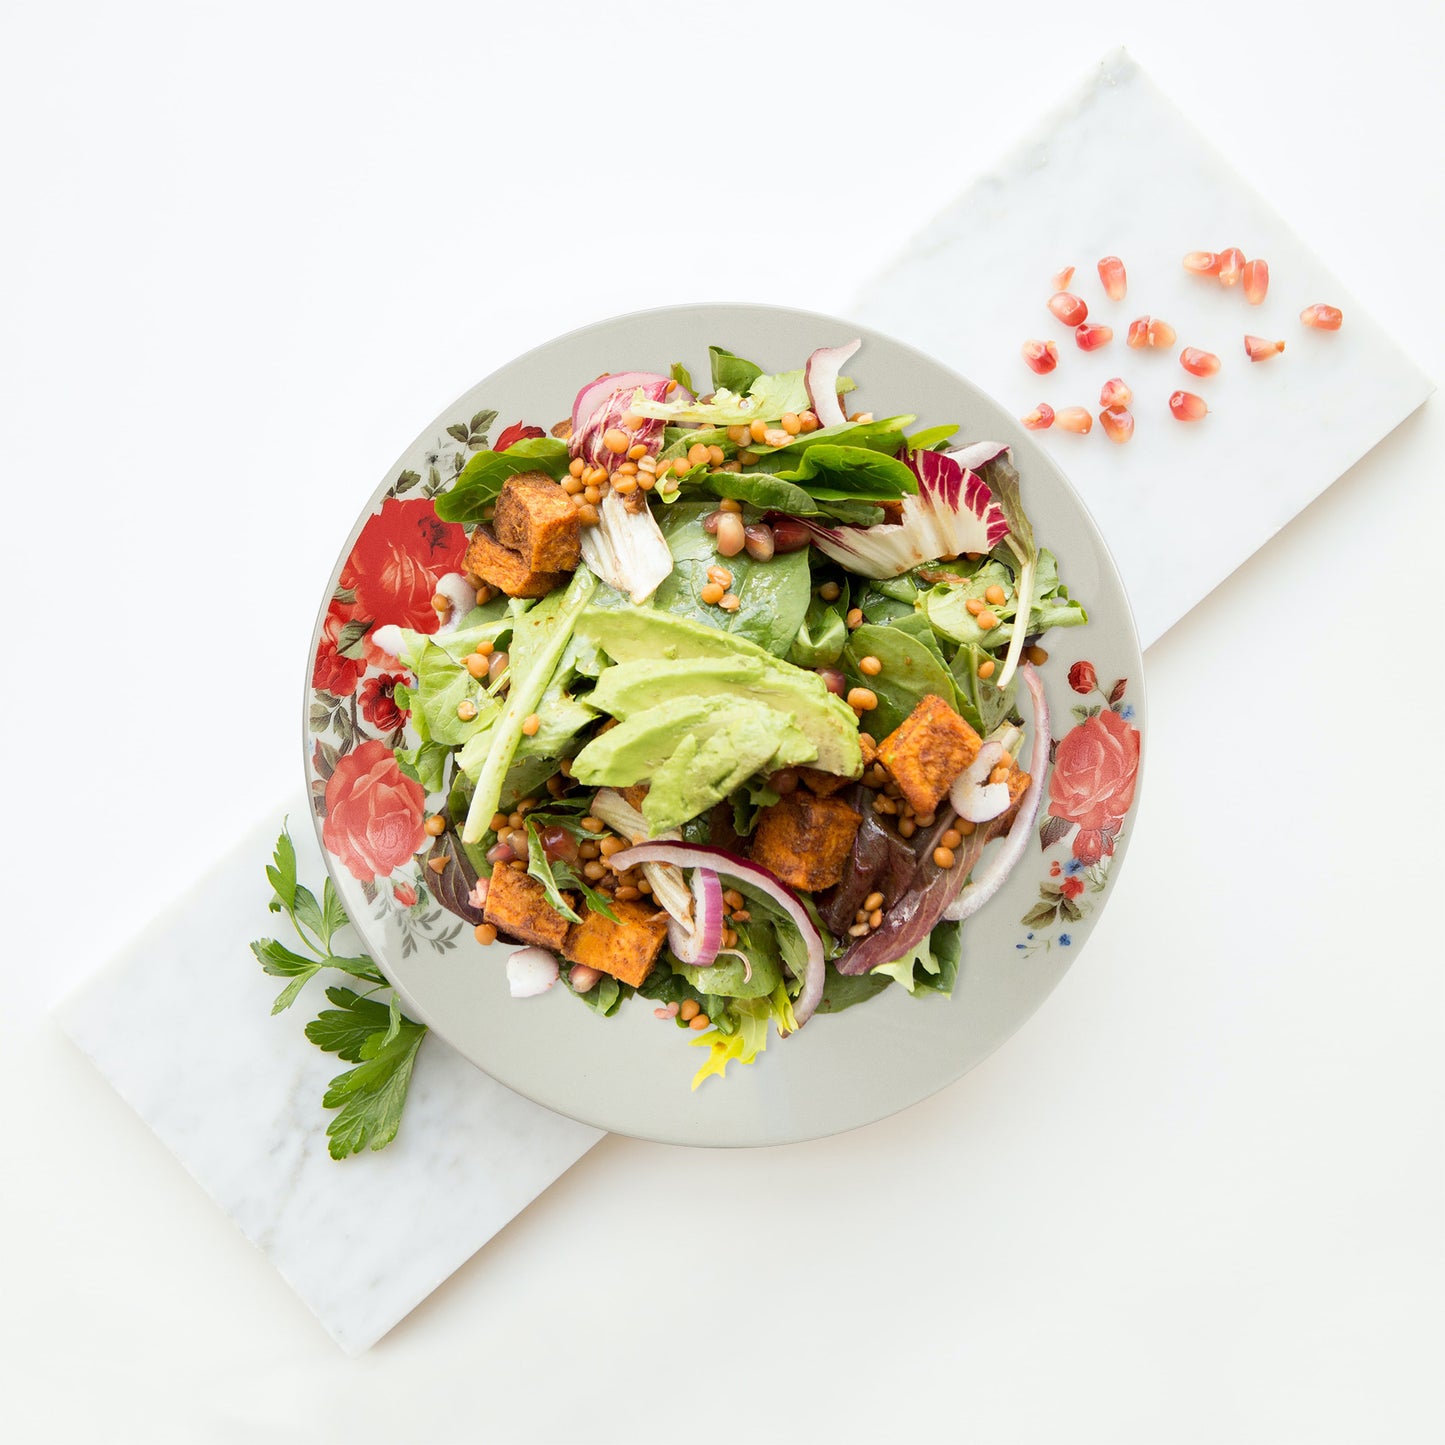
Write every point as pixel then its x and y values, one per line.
pixel 626 949
pixel 1018 782
pixel 805 839
pixel 537 520
pixel 927 751
pixel 503 568
pixel 517 906
pixel 824 785
pixel 636 795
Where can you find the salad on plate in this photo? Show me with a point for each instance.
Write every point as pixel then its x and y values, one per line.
pixel 735 707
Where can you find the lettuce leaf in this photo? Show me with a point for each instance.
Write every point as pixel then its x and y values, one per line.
pixel 932 967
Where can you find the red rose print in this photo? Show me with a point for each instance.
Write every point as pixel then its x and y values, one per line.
pixel 1083 678
pixel 404 894
pixel 373 812
pixel 334 673
pixel 394 568
pixel 518 431
pixel 1071 887
pixel 378 702
pixel 1093 782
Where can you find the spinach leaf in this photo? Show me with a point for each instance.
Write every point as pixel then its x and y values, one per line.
pixel 932 439
pixel 730 372
pixel 884 599
pixel 883 435
pixel 910 672
pixel 821 638
pixel 848 472
pixel 842 991
pixel 679 374
pixel 479 482
pixel 773 595
pixel 725 978
pixel 769 493
pixel 982 704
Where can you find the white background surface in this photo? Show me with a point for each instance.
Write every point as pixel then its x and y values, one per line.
pixel 246 252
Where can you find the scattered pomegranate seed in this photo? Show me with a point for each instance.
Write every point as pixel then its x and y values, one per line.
pixel 1118 424
pixel 1256 281
pixel 1258 349
pixel 1115 392
pixel 1070 309
pixel 1161 333
pixel 1231 266
pixel 1062 278
pixel 1111 273
pixel 1042 356
pixel 1138 333
pixel 1203 263
pixel 1075 419
pixel 1197 362
pixel 1322 318
pixel 1187 407
pixel 1091 338
pixel 1041 418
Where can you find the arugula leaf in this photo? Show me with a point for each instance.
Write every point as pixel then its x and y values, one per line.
pixel 730 372
pixel 555 875
pixel 372 1095
pixel 477 485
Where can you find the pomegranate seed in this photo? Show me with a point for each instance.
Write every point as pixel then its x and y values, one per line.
pixel 1074 418
pixel 1322 318
pixel 1231 266
pixel 1118 423
pixel 1070 309
pixel 1197 362
pixel 1111 273
pixel 1091 338
pixel 1161 333
pixel 1203 263
pixel 1258 349
pixel 1187 407
pixel 1041 418
pixel 1256 281
pixel 1139 333
pixel 1062 278
pixel 1115 393
pixel 1042 356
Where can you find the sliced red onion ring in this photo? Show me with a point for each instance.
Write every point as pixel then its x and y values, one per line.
pixel 988 880
pixel 972 795
pixel 596 392
pixel 697 946
pixel 531 971
pixel 694 855
pixel 820 375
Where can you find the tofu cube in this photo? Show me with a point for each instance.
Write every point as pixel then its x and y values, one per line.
pixel 822 784
pixel 505 569
pixel 805 839
pixel 626 949
pixel 517 906
pixel 927 751
pixel 537 520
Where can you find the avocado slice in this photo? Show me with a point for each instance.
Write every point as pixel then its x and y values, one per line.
pixel 634 750
pixel 828 722
pixel 636 634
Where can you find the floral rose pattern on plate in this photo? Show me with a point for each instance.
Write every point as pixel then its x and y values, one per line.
pixel 372 811
pixel 1094 771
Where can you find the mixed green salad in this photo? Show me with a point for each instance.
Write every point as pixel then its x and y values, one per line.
pixel 726 706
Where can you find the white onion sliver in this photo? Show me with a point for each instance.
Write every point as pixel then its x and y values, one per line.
pixel 820 375
pixel 531 971
pixel 991 878
pixel 693 855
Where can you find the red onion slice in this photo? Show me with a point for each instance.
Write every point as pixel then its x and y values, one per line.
pixel 694 855
pixel 988 880
pixel 596 392
pixel 820 375
pixel 531 971
pixel 697 946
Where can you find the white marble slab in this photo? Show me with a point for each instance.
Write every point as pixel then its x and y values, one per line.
pixel 239 1104
pixel 1182 507
pixel 1117 170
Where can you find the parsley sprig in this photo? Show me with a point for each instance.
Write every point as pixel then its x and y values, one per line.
pixel 363 1030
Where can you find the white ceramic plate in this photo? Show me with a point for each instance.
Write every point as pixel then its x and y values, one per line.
pixel 631 1073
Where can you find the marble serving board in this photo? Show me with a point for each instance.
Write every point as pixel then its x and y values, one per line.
pixel 1181 505
pixel 970 289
